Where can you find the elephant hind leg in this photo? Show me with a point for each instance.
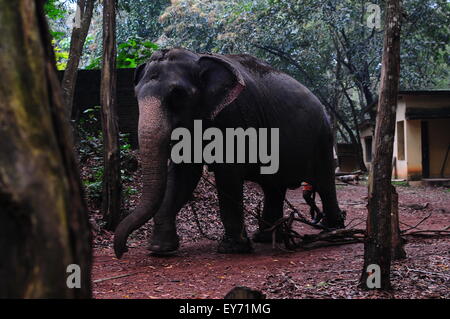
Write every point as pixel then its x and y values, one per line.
pixel 230 191
pixel 325 186
pixel 272 212
pixel 333 216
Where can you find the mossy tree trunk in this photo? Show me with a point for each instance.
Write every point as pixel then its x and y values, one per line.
pixel 111 195
pixel 43 217
pixel 378 244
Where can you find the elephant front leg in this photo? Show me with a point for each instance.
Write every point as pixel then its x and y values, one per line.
pixel 230 191
pixel 182 180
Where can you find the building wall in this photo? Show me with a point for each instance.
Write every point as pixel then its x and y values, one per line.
pixel 413 136
pixel 368 131
pixel 348 157
pixel 439 140
pixel 410 167
pixel 439 136
pixel 431 101
pixel 400 170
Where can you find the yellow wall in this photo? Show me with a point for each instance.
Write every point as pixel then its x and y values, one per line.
pixel 439 137
pixel 400 169
pixel 439 140
pixel 413 139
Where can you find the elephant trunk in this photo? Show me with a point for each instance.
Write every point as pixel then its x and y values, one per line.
pixel 154 135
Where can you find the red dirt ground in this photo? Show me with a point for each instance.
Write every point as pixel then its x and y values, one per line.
pixel 198 271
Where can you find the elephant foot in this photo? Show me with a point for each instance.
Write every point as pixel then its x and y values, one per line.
pixel 317 218
pixel 334 223
pixel 164 245
pixel 265 237
pixel 229 245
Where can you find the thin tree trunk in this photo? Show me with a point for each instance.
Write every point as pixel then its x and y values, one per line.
pixel 361 164
pixel 341 132
pixel 43 217
pixel 111 198
pixel 377 247
pixel 336 101
pixel 77 40
pixel 398 252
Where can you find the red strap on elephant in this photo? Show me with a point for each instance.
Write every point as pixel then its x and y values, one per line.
pixel 307 187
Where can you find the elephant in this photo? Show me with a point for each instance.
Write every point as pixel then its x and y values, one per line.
pixel 175 88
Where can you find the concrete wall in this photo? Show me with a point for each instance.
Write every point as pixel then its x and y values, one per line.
pixel 439 136
pixel 427 101
pixel 439 140
pixel 367 131
pixel 400 169
pixel 348 157
pixel 413 136
pixel 410 167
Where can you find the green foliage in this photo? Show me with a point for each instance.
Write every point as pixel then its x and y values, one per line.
pixel 325 44
pixel 425 50
pixel 130 191
pixel 54 10
pixel 139 19
pixel 129 54
pixel 94 185
pixel 134 52
pixel 90 135
pixel 57 12
pixel 61 57
pixel 400 183
pixel 90 151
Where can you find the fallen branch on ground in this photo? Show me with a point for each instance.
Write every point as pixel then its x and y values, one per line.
pixel 429 233
pixel 428 272
pixel 413 227
pixel 282 230
pixel 349 179
pixel 417 206
pixel 114 277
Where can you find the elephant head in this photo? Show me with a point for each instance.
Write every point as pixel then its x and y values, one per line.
pixel 173 88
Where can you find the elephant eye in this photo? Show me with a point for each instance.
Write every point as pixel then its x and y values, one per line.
pixel 179 92
pixel 153 76
pixel 176 98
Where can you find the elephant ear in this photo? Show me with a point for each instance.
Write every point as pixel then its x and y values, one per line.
pixel 222 83
pixel 138 73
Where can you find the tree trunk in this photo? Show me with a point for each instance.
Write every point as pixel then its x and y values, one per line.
pixel 43 220
pixel 360 154
pixel 77 40
pixel 398 252
pixel 377 247
pixel 111 198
